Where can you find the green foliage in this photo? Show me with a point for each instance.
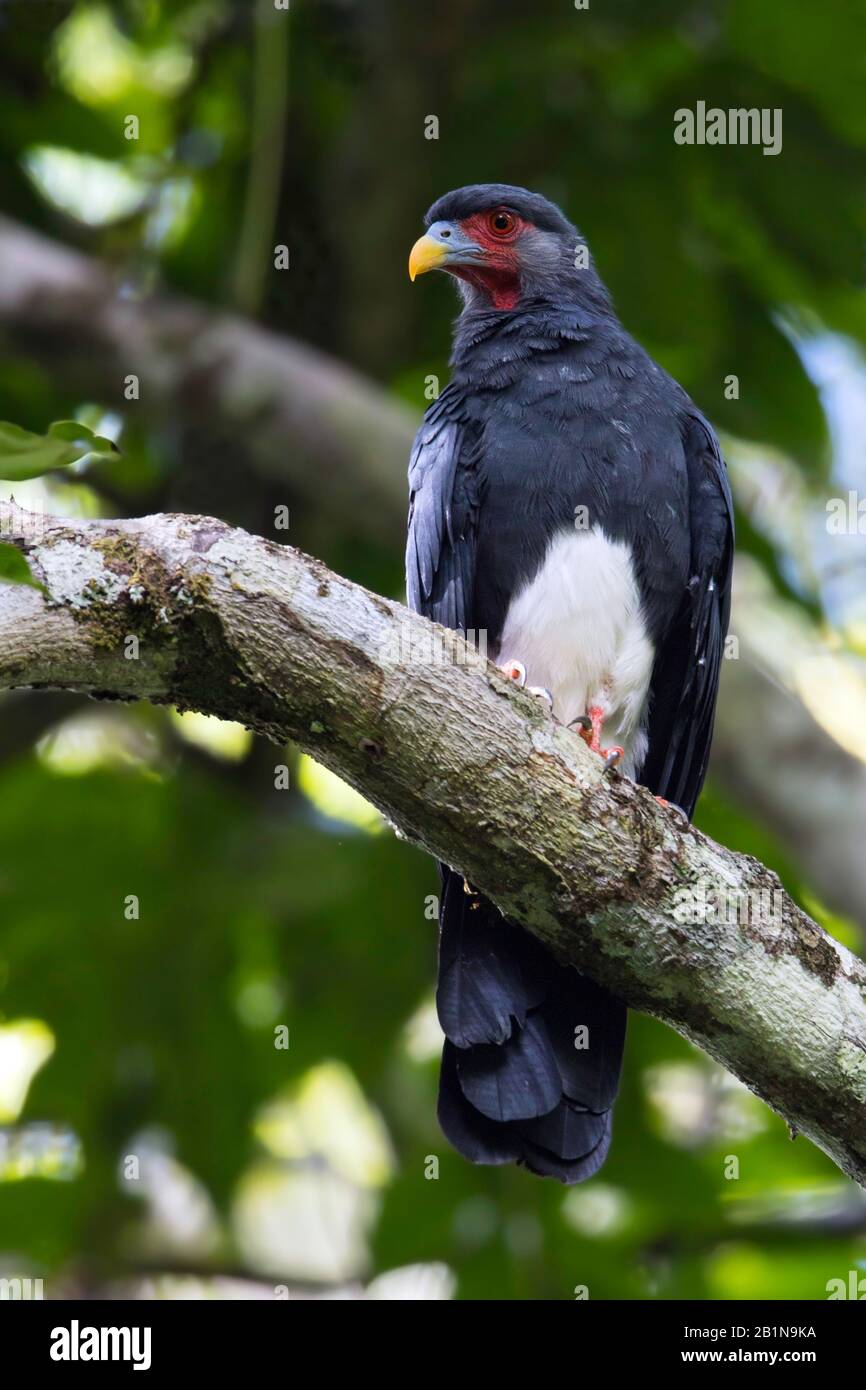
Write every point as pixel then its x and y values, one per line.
pixel 24 455
pixel 14 568
pixel 152 1034
pixel 254 910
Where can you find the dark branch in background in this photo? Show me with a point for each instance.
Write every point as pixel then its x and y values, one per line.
pixel 296 417
pixel 474 771
pixel 792 776
pixel 287 412
pixel 24 720
pixel 255 245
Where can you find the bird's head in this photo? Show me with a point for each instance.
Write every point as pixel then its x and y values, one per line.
pixel 505 245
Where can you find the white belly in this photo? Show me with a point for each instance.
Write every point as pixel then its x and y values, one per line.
pixel 577 627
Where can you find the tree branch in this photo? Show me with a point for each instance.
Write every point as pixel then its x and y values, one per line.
pixel 293 414
pixel 341 444
pixel 465 765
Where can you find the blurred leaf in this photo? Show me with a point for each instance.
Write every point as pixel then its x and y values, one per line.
pixel 26 455
pixel 14 569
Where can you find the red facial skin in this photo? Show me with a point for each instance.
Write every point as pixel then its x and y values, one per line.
pixel 499 277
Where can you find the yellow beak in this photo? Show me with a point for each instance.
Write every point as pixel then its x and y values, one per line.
pixel 426 254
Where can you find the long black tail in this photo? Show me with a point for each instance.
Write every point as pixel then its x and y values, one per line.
pixel 533 1051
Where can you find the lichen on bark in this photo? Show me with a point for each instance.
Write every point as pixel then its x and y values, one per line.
pixel 466 766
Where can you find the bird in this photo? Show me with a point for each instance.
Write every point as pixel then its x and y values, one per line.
pixel 569 502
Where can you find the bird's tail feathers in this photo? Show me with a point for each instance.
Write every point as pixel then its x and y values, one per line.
pixel 533 1051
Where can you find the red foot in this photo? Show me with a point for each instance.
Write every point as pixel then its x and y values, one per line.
pixel 592 736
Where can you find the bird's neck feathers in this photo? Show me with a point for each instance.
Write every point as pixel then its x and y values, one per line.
pixel 557 282
pixel 575 305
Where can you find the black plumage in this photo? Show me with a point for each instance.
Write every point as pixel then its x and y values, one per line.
pixel 553 406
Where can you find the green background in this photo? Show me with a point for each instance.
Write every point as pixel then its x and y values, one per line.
pixel 261 908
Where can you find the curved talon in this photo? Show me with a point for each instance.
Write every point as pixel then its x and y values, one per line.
pixel 583 720
pixel 612 756
pixel 515 671
pixel 542 692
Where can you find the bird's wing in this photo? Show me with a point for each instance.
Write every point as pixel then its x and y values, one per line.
pixel 443 507
pixel 688 661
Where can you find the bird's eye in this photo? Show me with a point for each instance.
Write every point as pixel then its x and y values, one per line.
pixel 501 223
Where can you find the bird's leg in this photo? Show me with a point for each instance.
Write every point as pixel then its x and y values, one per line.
pixel 590 725
pixel 516 671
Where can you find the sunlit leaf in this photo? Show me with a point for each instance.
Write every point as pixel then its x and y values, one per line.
pixel 25 455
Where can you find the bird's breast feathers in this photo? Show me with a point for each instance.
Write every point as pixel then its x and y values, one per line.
pixel 577 626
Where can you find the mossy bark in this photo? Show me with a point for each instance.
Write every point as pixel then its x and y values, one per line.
pixel 468 767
